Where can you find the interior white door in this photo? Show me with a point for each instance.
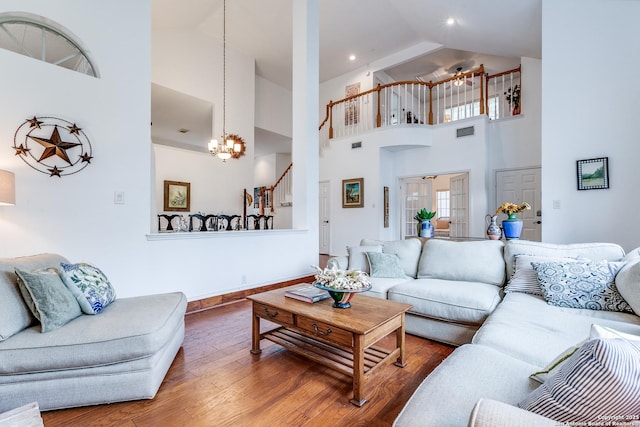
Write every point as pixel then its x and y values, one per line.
pixel 522 185
pixel 325 225
pixel 417 193
pixel 459 203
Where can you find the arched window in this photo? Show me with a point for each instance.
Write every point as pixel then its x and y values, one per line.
pixel 42 39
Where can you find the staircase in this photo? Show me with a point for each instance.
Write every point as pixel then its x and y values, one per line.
pixel 279 193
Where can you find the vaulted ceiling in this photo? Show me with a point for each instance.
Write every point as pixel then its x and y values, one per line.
pixel 369 29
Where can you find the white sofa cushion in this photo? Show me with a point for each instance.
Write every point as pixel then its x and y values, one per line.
pixel 447 396
pixel 449 300
pixel 477 261
pixel 357 256
pixel 628 283
pixel 380 286
pixel 408 252
pixel 528 328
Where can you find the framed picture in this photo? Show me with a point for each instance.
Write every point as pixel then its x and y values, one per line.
pixel 593 174
pixel 177 196
pixel 353 193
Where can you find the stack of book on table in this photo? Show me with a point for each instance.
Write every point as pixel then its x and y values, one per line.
pixel 307 293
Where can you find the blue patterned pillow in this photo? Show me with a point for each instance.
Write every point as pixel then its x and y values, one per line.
pixel 599 381
pixel 89 286
pixel 581 285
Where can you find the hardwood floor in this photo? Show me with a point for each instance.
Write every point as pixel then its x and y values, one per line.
pixel 215 381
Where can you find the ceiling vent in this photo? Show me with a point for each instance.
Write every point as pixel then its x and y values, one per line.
pixel 468 131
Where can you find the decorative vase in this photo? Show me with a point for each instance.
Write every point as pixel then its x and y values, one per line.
pixel 512 227
pixel 341 298
pixel 493 230
pixel 426 229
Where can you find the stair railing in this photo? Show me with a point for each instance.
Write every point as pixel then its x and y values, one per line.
pixel 421 103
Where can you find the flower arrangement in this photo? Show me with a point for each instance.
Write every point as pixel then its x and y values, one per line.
pixel 335 278
pixel 512 209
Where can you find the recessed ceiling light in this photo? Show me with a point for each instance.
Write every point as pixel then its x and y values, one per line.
pixel 450 21
pixel 352 57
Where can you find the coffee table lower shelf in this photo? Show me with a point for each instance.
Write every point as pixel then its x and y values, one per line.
pixel 330 355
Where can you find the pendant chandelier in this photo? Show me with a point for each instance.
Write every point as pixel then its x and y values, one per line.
pixel 232 146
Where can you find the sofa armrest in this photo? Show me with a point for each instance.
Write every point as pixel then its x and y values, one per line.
pixel 491 413
pixel 341 262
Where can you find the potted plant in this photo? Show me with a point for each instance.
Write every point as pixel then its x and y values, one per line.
pixel 425 228
pixel 513 98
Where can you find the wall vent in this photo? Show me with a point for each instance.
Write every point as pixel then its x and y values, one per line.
pixel 468 131
pixel 356 144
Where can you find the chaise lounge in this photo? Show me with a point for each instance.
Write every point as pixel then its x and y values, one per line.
pixel 122 353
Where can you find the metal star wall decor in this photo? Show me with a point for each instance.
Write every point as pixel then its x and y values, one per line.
pixel 53 146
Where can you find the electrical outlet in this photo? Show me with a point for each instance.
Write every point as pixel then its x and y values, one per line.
pixel 243 279
pixel 556 204
pixel 118 198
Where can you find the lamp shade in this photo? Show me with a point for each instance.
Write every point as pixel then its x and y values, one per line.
pixel 7 188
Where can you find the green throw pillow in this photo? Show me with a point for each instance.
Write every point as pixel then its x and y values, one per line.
pixel 48 298
pixel 384 265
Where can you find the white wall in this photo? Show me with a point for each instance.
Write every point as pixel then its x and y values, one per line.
pixel 273 107
pixel 591 117
pixel 76 216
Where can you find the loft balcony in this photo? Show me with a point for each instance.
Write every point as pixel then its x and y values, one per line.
pixel 415 104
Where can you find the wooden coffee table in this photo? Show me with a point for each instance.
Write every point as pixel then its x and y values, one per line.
pixel 342 339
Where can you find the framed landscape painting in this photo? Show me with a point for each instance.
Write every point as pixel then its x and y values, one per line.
pixel 353 193
pixel 593 174
pixel 177 196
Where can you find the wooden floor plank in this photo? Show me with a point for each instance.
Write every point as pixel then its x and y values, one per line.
pixel 216 381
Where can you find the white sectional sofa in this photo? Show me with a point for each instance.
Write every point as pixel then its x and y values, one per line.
pixel 482 382
pixel 122 353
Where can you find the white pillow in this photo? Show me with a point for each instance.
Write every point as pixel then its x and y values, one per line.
pixel 358 258
pixel 628 283
pixel 598 331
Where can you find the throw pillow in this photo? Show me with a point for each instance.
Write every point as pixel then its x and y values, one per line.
pixel 596 332
pixel 628 284
pixel 599 380
pixel 48 298
pixel 524 277
pixel 89 286
pixel 587 285
pixel 358 259
pixel 544 374
pixel 384 265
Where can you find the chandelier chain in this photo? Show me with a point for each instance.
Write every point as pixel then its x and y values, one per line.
pixel 224 69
